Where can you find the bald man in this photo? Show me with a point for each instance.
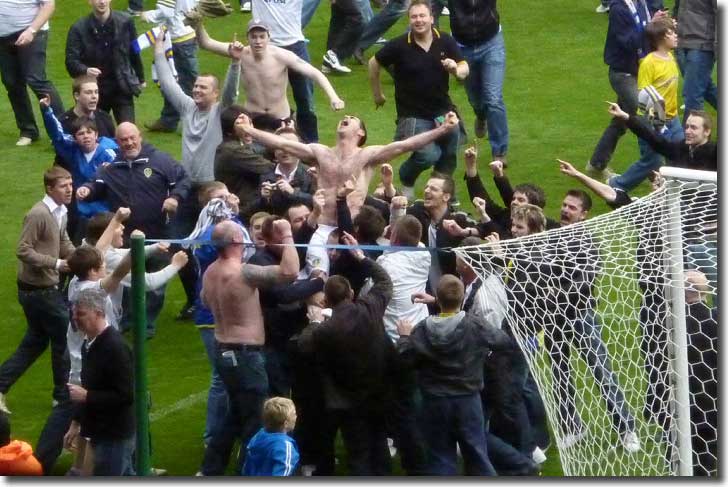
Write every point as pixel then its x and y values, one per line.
pixel 230 291
pixel 149 182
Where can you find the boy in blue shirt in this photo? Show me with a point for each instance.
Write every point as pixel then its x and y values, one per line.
pixel 271 452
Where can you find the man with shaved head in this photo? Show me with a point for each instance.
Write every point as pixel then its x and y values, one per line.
pixel 230 291
pixel 150 183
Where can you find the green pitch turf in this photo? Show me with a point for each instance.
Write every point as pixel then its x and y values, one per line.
pixel 555 88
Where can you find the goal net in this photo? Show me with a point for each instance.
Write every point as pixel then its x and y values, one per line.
pixel 624 310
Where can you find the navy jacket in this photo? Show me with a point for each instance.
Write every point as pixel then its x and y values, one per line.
pixel 626 44
pixel 141 185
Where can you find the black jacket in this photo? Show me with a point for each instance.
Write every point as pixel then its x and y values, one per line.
pixel 352 348
pixel 449 360
pixel 473 21
pixel 107 374
pixel 284 311
pixel 240 167
pixel 303 188
pixel 90 45
pixel 443 239
pixel 141 185
pixel 679 154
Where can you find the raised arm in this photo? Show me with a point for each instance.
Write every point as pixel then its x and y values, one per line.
pixel 606 192
pixel 169 86
pixel 286 271
pixel 299 65
pixel 379 154
pixel 209 44
pixel 113 280
pixel 63 143
pixel 298 149
pixel 104 241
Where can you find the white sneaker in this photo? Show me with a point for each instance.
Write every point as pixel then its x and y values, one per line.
pixel 630 442
pixel 445 11
pixel 246 7
pixel 23 141
pixel 308 470
pixel 381 40
pixel 538 455
pixel 3 406
pixel 392 448
pixel 572 439
pixel 601 9
pixel 331 61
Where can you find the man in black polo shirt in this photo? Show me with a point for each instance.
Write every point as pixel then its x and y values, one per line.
pixel 421 62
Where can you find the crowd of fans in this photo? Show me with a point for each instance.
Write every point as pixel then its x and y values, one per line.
pixel 370 326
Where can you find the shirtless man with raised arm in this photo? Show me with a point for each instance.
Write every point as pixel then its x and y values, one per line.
pixel 265 71
pixel 230 291
pixel 339 163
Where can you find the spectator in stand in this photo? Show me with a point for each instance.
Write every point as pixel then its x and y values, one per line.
pixel 16 456
pixel 695 152
pixel 421 62
pixel 100 45
pixel 23 43
pixel 354 354
pixel 105 398
pixel 171 15
pixel 82 152
pixel 271 452
pixel 624 47
pixel 237 164
pixel 697 31
pixel 657 81
pixel 448 352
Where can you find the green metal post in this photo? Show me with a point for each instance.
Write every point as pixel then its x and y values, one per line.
pixel 139 317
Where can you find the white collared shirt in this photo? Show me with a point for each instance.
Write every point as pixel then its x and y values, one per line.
pixel 58 211
pixel 286 178
pixel 90 342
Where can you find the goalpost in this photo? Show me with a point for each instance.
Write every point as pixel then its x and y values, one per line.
pixel 624 309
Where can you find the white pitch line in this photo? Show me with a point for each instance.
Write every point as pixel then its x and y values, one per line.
pixel 183 403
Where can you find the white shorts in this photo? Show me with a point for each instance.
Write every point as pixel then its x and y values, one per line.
pixel 317 257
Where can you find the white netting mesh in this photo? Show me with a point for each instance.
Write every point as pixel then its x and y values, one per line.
pixel 604 298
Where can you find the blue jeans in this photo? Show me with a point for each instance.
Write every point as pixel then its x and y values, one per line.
pixel 185 62
pixel 484 86
pixel 114 457
pixel 302 88
pixel 217 398
pixel 381 23
pixel 307 11
pixel 536 413
pixel 585 335
pixel 442 153
pixel 649 159
pixel 625 86
pixel 246 382
pixel 47 317
pixel 21 67
pixel 697 67
pixel 366 10
pixel 447 421
pixel 505 459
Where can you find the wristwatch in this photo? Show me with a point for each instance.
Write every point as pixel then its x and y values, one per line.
pixel 32 30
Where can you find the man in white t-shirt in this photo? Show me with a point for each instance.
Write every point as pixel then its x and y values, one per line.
pixel 23 42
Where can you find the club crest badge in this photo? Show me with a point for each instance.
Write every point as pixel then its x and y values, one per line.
pixel 148 172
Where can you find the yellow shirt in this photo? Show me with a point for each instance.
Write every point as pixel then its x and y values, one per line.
pixel 663 75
